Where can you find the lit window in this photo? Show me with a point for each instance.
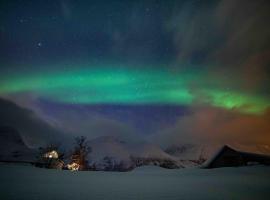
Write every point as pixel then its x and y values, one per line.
pixel 51 154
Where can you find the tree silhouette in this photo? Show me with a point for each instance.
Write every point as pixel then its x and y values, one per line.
pixel 80 152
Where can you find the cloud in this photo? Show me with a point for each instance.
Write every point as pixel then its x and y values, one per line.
pixel 212 125
pixel 229 38
pixel 77 120
pixel 33 129
pixel 92 125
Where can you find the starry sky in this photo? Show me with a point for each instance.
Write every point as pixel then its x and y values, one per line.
pixel 172 71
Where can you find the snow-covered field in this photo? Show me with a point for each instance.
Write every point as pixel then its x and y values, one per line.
pixel 27 182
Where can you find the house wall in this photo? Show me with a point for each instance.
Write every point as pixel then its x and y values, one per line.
pixel 260 159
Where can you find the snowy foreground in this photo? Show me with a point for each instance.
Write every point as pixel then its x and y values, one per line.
pixel 27 182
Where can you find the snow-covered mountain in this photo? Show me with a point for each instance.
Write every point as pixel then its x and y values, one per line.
pixel 111 153
pixel 12 146
pixel 108 153
pixel 34 130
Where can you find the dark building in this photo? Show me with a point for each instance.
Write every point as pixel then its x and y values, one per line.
pixel 228 157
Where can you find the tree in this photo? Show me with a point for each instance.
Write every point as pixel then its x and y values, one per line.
pixel 201 159
pixel 80 153
pixel 108 161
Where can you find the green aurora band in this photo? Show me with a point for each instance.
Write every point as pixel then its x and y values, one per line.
pixel 130 86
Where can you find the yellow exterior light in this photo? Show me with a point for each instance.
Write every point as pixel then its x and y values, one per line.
pixel 73 166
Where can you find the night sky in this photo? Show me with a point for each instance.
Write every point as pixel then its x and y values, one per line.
pixel 172 71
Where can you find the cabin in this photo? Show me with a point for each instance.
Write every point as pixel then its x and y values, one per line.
pixel 51 154
pixel 73 166
pixel 229 157
pixel 50 160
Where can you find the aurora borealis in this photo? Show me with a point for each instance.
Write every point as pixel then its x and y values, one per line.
pixel 119 61
pixel 121 86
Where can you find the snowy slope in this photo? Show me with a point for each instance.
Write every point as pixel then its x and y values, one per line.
pixel 151 183
pixel 13 148
pixel 147 150
pixel 112 153
pixel 107 153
